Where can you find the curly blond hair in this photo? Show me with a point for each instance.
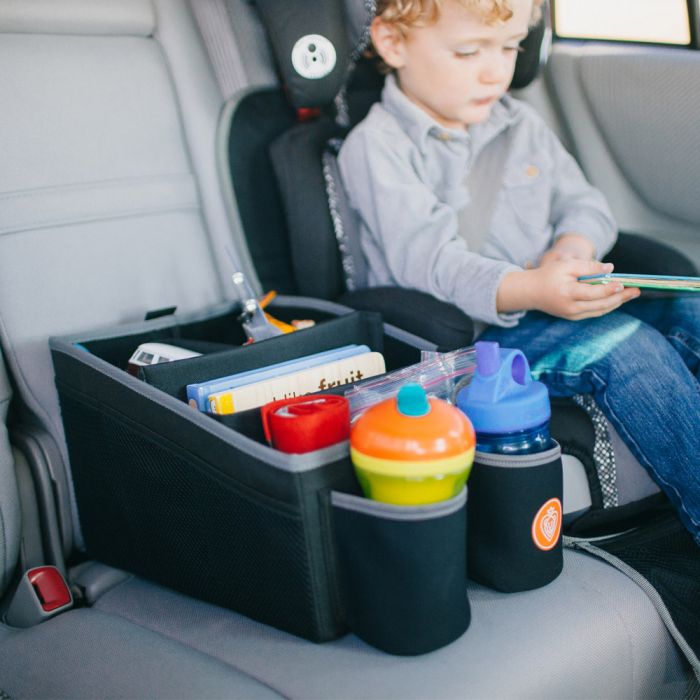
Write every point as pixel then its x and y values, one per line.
pixel 404 14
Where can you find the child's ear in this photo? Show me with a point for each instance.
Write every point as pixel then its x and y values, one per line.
pixel 388 42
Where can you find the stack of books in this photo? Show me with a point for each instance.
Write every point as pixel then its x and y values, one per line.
pixel 318 372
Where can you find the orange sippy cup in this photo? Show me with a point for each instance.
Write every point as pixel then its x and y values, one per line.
pixel 412 450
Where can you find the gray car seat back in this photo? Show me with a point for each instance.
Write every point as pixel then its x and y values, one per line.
pixel 110 204
pixel 9 497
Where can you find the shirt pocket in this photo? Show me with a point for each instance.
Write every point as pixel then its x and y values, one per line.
pixel 527 189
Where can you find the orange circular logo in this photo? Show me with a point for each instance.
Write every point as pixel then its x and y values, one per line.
pixel 547 525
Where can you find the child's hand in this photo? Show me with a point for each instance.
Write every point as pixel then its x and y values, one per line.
pixel 569 246
pixel 554 288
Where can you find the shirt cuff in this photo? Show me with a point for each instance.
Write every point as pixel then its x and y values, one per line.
pixel 478 299
pixel 598 232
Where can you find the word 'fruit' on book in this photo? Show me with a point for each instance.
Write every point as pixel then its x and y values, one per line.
pixel 297 383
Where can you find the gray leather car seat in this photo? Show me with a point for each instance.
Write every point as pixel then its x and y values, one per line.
pixel 110 206
pixel 106 208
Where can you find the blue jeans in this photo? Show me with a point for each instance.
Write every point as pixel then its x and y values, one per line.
pixel 642 366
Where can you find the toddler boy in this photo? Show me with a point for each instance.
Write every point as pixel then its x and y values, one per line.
pixel 463 192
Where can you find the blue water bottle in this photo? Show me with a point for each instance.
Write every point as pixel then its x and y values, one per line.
pixel 515 510
pixel 509 410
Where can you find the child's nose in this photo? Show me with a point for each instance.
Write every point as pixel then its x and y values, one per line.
pixel 497 70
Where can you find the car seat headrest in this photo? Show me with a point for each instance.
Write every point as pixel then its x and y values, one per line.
pixel 310 43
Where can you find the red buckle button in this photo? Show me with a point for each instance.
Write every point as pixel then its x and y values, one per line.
pixel 50 587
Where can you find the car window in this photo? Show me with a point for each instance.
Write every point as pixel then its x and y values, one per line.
pixel 649 21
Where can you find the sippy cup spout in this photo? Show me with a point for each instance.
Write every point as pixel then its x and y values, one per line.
pixel 412 401
pixel 488 357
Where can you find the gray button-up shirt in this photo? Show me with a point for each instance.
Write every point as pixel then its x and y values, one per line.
pixel 451 212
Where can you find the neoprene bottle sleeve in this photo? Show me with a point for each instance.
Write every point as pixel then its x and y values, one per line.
pixel 515 517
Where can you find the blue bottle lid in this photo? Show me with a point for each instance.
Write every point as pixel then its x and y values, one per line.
pixel 502 396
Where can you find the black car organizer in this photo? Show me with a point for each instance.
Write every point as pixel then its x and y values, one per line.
pixel 202 504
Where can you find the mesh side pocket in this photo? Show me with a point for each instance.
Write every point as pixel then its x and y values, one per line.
pixel 167 515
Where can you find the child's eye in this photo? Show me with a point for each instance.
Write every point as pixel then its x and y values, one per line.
pixel 466 53
pixel 511 49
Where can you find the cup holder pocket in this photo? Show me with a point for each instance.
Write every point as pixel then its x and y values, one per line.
pixel 515 519
pixel 403 571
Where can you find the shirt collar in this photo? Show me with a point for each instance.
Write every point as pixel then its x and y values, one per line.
pixel 419 126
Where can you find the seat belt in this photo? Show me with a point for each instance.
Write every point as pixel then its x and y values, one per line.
pixel 483 185
pixel 220 42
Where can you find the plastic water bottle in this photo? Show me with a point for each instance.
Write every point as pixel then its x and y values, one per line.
pixel 509 410
pixel 515 502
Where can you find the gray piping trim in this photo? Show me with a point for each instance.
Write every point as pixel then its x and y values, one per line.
pixel 651 592
pixel 389 511
pixel 342 111
pixel 340 235
pixel 363 43
pixel 603 453
pixel 519 461
pixel 406 337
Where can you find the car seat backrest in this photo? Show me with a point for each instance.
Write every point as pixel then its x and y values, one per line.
pixel 9 496
pixel 110 204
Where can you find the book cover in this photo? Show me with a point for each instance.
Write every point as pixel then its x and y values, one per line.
pixel 665 283
pixel 306 381
pixel 198 393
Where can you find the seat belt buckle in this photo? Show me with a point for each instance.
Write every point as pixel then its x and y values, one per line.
pixel 42 593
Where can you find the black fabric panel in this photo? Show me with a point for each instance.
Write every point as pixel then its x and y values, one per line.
pixel 260 117
pixel 366 75
pixel 297 161
pixel 223 330
pixel 359 327
pixel 503 501
pixel 151 507
pixel 404 580
pixel 416 312
pixel 639 254
pixel 286 22
pixel 664 553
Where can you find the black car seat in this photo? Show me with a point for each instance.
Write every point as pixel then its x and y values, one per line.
pixel 302 235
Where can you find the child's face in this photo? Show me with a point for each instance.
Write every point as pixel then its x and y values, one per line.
pixel 456 69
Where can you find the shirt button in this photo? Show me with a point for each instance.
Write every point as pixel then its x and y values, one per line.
pixel 444 136
pixel 532 171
